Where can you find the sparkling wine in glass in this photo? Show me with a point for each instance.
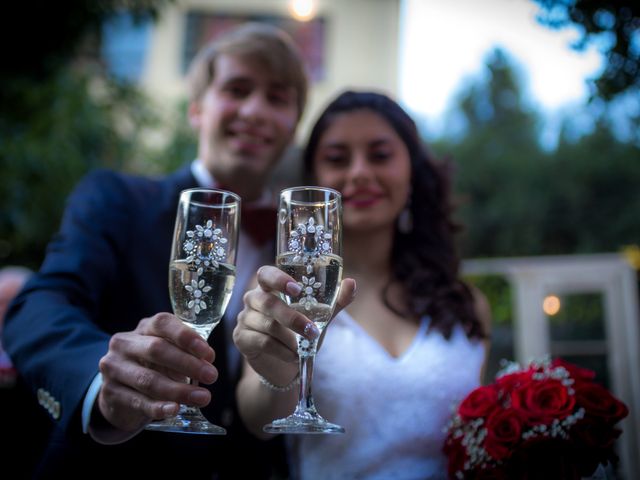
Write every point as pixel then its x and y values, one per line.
pixel 309 250
pixel 201 277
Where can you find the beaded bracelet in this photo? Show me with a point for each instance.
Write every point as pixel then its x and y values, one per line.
pixel 277 388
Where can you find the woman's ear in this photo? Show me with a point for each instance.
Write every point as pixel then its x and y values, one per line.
pixel 194 113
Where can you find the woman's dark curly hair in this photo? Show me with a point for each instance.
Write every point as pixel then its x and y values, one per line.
pixel 424 260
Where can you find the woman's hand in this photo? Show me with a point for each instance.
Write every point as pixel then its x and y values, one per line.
pixel 144 372
pixel 265 332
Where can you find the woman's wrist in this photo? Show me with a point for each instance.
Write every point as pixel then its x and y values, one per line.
pixel 280 388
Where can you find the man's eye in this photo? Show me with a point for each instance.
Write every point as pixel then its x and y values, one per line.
pixel 237 91
pixel 280 98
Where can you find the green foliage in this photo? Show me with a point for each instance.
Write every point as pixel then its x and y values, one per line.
pixel 581 317
pixel 64 31
pixel 592 188
pixel 61 116
pixel 498 292
pixel 78 123
pixel 180 146
pixel 612 25
pixel 517 199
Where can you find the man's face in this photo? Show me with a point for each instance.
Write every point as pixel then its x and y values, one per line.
pixel 245 121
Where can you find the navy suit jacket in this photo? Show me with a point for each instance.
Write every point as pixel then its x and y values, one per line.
pixel 106 269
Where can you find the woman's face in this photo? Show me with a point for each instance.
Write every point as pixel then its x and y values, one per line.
pixel 362 156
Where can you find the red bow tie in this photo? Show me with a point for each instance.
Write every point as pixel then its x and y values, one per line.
pixel 259 222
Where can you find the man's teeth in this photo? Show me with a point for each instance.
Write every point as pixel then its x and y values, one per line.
pixel 243 137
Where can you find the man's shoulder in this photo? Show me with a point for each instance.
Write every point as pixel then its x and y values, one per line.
pixel 116 182
pixel 104 178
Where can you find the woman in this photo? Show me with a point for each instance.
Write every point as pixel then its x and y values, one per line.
pixel 413 342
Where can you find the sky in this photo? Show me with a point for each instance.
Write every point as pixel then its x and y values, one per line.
pixel 444 42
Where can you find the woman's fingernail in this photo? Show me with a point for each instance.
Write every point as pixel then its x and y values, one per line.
pixel 311 331
pixel 293 289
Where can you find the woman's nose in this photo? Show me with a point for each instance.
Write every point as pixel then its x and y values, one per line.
pixel 360 169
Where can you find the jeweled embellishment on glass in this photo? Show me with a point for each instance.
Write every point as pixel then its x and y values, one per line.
pixel 205 246
pixel 310 243
pixel 197 289
pixel 306 347
pixel 205 249
pixel 309 289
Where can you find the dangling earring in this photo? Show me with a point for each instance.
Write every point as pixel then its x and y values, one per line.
pixel 405 219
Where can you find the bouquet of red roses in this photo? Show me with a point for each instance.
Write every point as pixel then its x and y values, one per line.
pixel 547 420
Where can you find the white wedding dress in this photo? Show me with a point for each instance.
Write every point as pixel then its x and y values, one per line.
pixel 394 410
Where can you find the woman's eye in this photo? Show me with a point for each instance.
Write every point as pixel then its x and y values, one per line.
pixel 335 159
pixel 380 157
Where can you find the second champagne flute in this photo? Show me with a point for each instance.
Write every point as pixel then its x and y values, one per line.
pixel 202 273
pixel 309 250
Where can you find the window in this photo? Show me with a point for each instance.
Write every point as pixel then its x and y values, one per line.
pixel 125 42
pixel 202 27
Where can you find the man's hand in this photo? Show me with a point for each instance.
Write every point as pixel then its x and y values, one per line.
pixel 145 372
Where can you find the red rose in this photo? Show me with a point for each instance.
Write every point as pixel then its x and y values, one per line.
pixel 521 401
pixel 594 433
pixel 479 403
pixel 456 454
pixel 544 458
pixel 543 400
pixel 503 432
pixel 493 473
pixel 598 402
pixel 509 382
pixel 577 373
pixel 595 442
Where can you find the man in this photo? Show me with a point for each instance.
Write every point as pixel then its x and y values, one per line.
pixel 91 334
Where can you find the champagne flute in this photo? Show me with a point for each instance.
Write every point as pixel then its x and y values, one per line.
pixel 309 250
pixel 201 277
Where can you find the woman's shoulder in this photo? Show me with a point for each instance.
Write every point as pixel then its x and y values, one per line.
pixel 482 308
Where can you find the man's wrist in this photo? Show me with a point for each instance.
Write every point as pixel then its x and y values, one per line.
pixel 277 388
pixel 90 400
pixel 95 424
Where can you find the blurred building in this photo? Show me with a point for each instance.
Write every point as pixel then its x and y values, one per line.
pixel 345 43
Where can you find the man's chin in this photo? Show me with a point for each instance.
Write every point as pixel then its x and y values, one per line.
pixel 249 168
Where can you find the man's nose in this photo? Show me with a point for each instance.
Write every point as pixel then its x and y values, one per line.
pixel 254 107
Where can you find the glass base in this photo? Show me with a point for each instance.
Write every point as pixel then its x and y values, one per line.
pixel 309 423
pixel 188 420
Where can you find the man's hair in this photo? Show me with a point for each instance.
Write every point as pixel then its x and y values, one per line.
pixel 269 46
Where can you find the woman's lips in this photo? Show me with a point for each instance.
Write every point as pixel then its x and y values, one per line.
pixel 362 199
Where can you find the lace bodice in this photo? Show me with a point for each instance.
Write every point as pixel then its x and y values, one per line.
pixel 394 410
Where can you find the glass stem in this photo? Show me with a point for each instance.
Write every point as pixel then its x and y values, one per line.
pixel 305 398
